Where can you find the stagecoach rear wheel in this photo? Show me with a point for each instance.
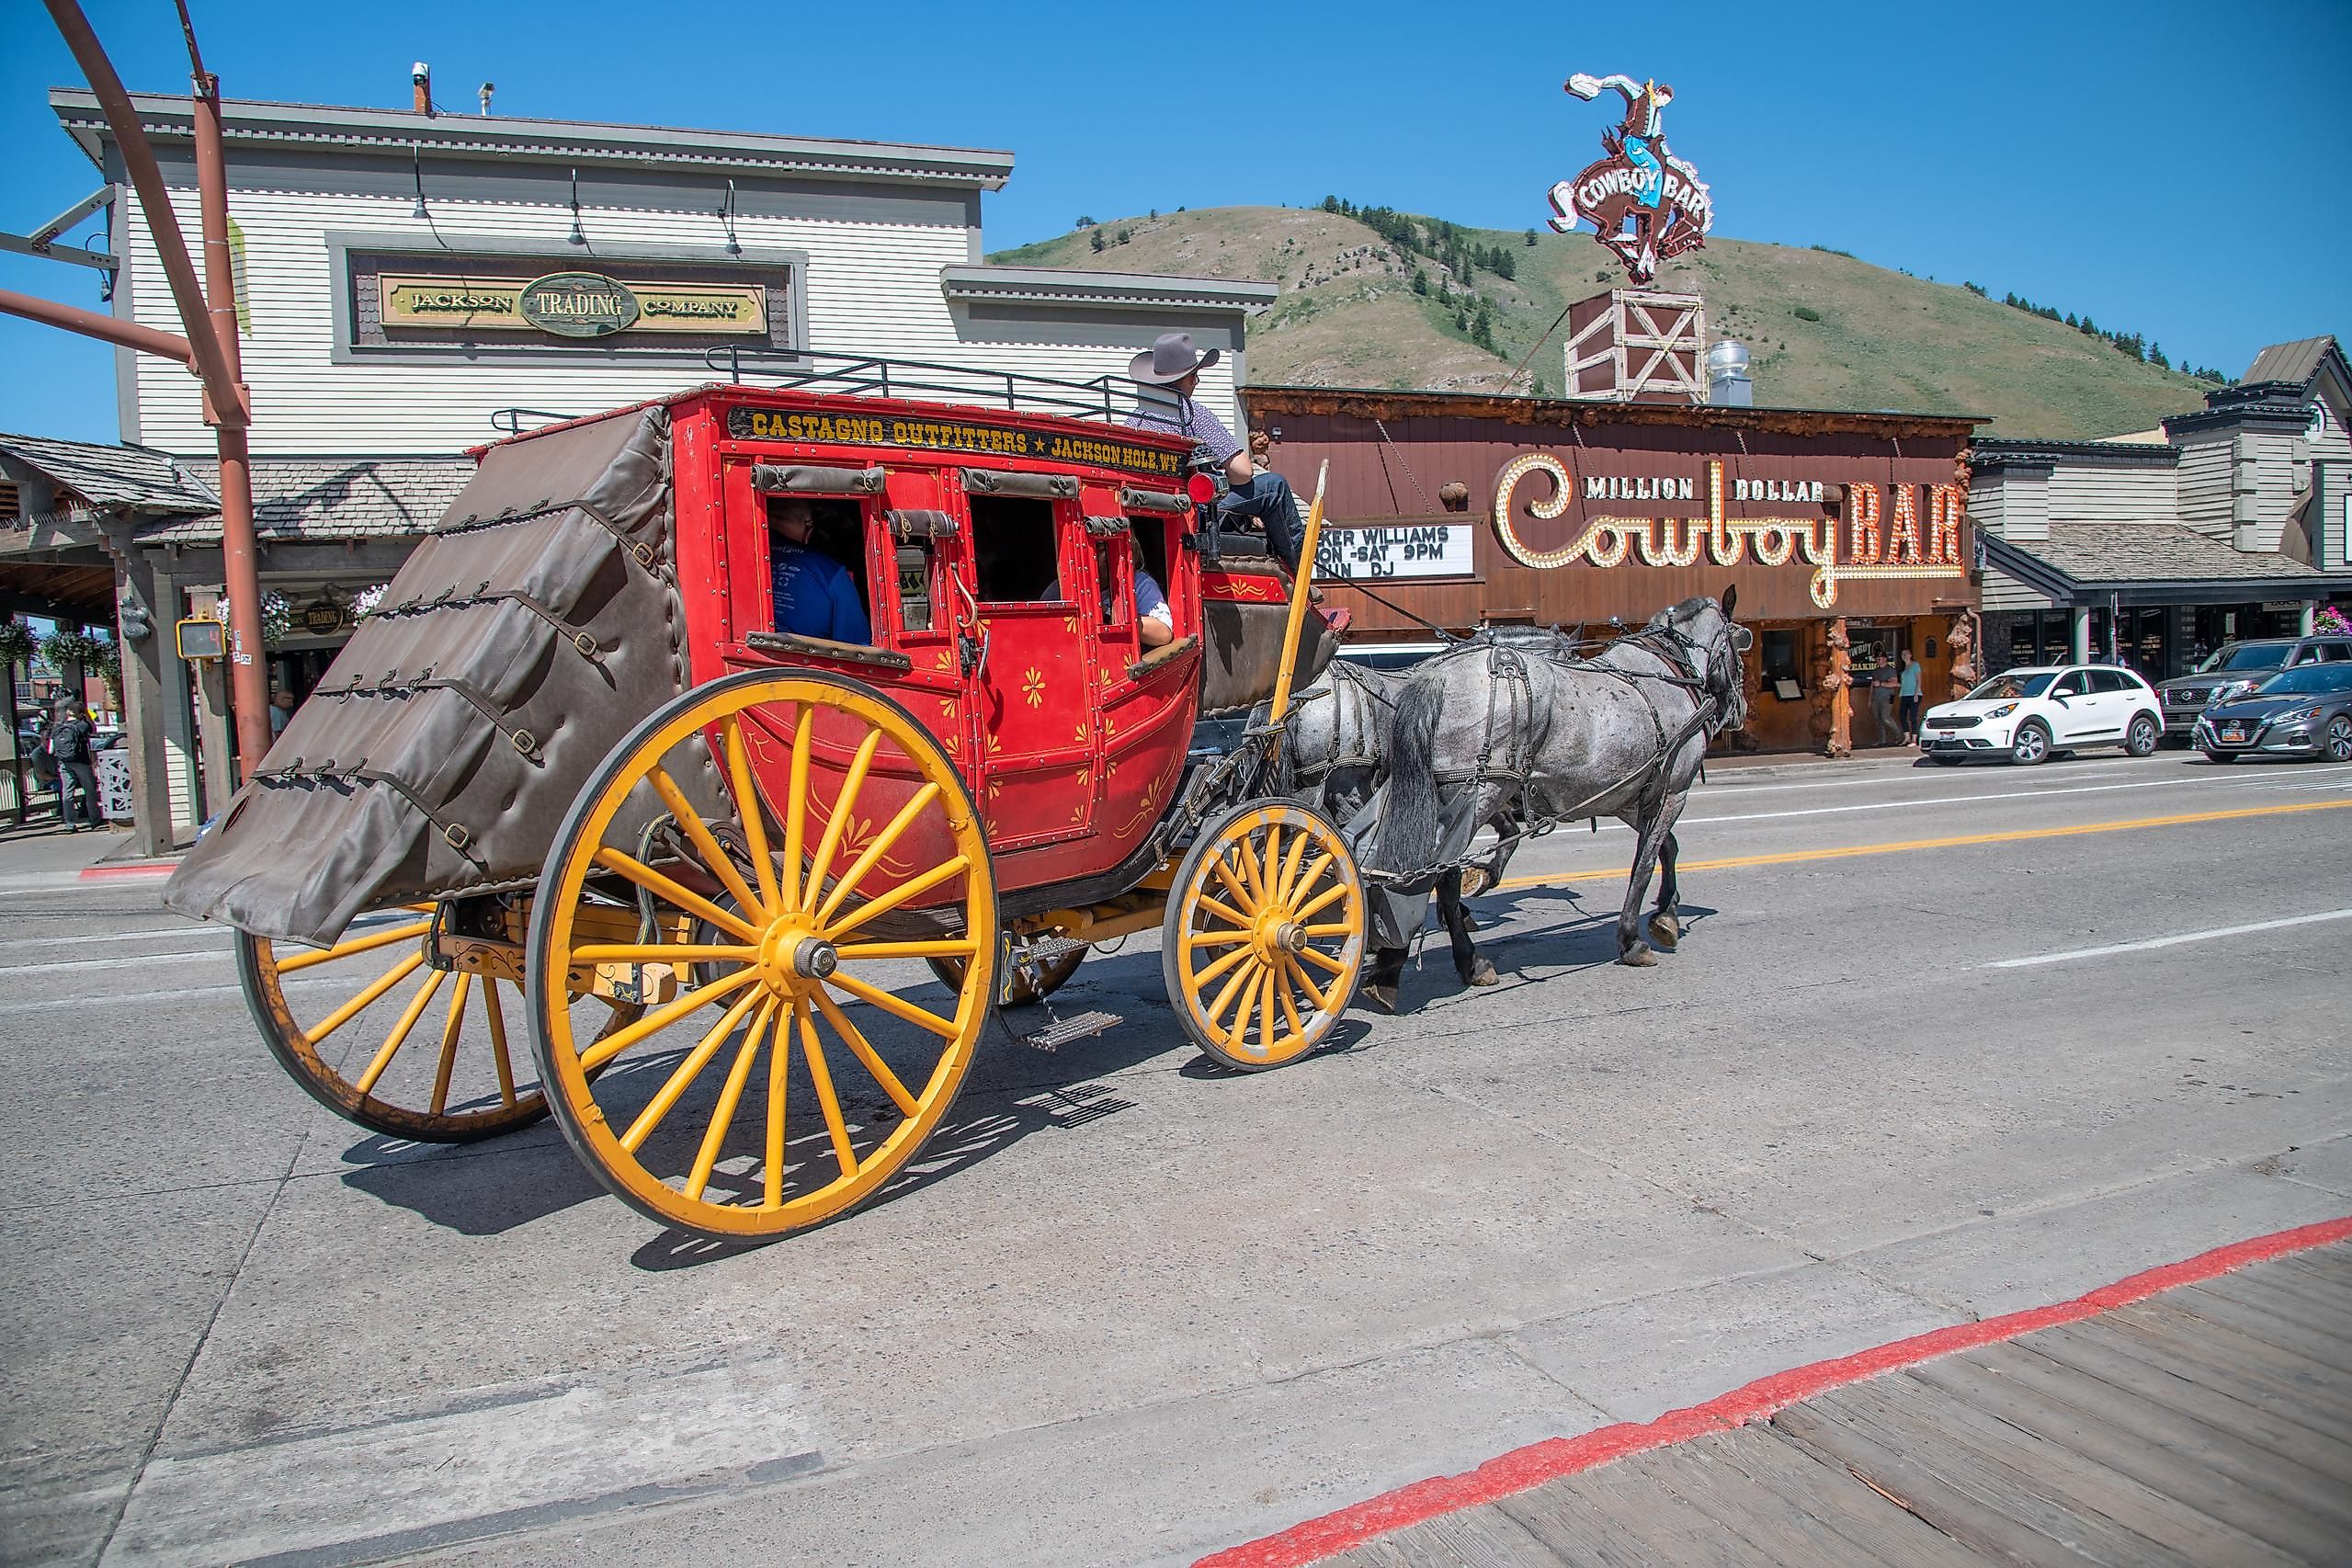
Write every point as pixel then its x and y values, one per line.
pixel 380 1033
pixel 1263 936
pixel 795 844
pixel 375 1033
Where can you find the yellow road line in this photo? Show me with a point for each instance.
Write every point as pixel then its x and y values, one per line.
pixel 1851 851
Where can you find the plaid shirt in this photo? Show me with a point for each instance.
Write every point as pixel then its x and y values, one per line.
pixel 1191 418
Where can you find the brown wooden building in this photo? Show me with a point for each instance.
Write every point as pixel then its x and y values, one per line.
pixel 1469 510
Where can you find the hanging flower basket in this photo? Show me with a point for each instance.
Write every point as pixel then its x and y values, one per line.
pixel 277 617
pixel 17 645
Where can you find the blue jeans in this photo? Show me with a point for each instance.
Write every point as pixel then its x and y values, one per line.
pixel 1266 498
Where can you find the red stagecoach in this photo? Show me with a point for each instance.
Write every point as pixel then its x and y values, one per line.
pixel 753 896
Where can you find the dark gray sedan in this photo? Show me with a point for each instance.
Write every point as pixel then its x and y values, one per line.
pixel 2298 713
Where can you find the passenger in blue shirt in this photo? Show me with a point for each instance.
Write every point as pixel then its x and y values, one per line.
pixel 815 596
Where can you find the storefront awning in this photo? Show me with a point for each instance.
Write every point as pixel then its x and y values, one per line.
pixel 2155 564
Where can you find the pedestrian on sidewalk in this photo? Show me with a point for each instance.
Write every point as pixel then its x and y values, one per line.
pixel 77 781
pixel 1907 687
pixel 1881 701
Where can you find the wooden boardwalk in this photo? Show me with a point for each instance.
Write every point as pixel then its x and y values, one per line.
pixel 2210 1425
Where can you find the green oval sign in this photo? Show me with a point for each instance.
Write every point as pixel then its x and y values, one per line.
pixel 577 304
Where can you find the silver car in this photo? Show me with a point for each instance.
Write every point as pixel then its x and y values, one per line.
pixel 2236 668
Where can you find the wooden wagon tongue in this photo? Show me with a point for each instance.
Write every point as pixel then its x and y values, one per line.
pixel 444 744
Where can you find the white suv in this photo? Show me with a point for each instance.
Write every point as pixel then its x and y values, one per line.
pixel 2026 714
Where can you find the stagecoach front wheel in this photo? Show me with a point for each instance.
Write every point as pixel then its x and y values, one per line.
pixel 793 847
pixel 1263 936
pixel 400 1026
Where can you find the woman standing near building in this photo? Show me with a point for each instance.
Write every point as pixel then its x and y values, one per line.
pixel 1907 688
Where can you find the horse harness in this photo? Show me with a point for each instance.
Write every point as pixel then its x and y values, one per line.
pixel 1510 686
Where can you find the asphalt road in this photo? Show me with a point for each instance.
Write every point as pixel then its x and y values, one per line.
pixel 1938 1043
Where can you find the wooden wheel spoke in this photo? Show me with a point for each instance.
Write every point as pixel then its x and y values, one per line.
pixel 1210 971
pixel 914 887
pixel 1214 938
pixel 686 1072
pixel 399 1036
pixel 1323 960
pixel 748 807
pixel 1307 984
pixel 715 854
pixel 796 812
pixel 1284 884
pixel 780 1083
pixel 1241 899
pixel 661 1017
pixel 450 1032
pixel 664 952
pixel 497 1015
pixel 945 1028
pixel 867 1055
pixel 685 898
pixel 1321 902
pixel 714 1137
pixel 915 807
pixel 351 948
pixel 1225 912
pixel 820 1075
pixel 1269 868
pixel 1246 975
pixel 1286 970
pixel 844 807
pixel 955 947
pixel 1247 864
pixel 1333 928
pixel 366 998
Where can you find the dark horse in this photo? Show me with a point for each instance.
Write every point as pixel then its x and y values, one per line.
pixel 1530 728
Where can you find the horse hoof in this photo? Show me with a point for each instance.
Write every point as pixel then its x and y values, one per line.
pixel 1637 957
pixel 1665 930
pixel 1482 973
pixel 1470 922
pixel 1382 996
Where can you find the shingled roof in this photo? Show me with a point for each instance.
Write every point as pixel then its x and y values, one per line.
pixel 334 498
pixel 132 479
pixel 2153 553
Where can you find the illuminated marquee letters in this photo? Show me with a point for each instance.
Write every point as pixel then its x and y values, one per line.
pixel 1607 541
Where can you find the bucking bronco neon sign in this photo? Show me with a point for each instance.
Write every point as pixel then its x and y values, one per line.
pixel 1647 205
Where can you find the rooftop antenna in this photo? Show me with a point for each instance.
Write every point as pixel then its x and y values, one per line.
pixel 483 92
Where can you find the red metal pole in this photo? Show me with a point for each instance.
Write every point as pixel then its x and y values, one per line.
pixel 213 351
pixel 248 679
pixel 94 323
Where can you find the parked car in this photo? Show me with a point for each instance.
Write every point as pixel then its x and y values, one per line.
pixel 2236 668
pixel 2026 714
pixel 2305 711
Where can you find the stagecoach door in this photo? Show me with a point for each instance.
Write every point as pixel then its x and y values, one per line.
pixel 1036 684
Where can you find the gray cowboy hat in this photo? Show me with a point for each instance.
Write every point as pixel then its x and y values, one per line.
pixel 1170 359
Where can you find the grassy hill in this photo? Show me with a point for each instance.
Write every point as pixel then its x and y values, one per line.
pixel 1866 337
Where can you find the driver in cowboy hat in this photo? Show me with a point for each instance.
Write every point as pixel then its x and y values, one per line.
pixel 1262 496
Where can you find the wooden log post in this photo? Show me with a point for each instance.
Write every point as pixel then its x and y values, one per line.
pixel 1839 683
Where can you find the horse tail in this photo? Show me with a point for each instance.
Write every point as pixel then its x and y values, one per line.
pixel 1409 817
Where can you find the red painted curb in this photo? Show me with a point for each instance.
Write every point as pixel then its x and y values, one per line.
pixel 119 873
pixel 1523 1470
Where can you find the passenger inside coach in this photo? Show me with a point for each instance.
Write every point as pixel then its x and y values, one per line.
pixel 817 595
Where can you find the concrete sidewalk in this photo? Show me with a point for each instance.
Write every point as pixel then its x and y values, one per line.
pixel 2199 1413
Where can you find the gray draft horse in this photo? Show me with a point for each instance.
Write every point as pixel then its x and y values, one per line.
pixel 1333 741
pixel 1528 728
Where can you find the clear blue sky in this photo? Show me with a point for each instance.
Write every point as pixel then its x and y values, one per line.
pixel 2178 170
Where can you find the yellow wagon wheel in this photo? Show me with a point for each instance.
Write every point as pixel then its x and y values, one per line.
pixel 797 845
pixel 380 1034
pixel 1264 935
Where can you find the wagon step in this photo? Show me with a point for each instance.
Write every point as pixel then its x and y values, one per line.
pixel 1076 1027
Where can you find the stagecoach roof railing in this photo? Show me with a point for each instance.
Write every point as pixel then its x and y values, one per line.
pixel 1107 398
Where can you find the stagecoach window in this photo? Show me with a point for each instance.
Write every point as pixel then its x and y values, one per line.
pixel 836 529
pixel 1013 551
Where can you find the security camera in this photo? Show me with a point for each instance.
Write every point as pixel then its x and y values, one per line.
pixel 419 72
